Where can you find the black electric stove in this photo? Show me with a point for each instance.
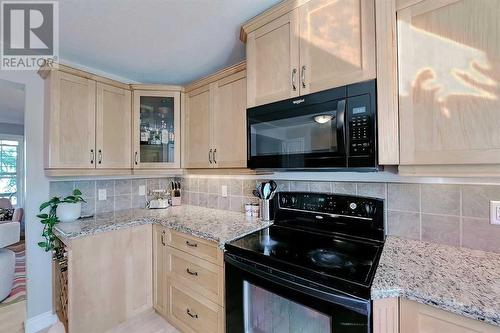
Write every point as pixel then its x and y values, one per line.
pixel 321 254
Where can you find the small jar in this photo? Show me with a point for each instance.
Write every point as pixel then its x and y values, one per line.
pixel 248 209
pixel 255 210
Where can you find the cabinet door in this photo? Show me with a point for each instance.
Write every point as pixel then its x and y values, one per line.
pixel 337 43
pixel 160 270
pixel 113 127
pixel 156 129
pixel 198 129
pixel 448 82
pixel 420 318
pixel 229 119
pixel 71 122
pixel 273 61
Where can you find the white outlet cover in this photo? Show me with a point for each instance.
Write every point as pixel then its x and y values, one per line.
pixel 101 194
pixel 224 191
pixel 495 212
pixel 142 189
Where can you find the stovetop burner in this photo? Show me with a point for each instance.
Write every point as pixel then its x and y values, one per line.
pixel 316 238
pixel 326 255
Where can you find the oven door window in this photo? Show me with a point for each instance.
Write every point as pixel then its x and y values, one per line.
pixel 307 130
pixel 268 312
pixel 255 303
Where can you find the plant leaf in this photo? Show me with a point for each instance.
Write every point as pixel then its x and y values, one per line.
pixel 44 205
pixel 42 216
pixel 77 192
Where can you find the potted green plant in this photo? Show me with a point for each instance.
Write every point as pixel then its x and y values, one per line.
pixel 50 219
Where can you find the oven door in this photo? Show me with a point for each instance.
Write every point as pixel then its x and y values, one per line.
pixel 263 300
pixel 310 134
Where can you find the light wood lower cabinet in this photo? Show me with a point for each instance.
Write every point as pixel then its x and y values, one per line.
pixel 188 281
pixel 191 313
pixel 395 315
pixel 108 280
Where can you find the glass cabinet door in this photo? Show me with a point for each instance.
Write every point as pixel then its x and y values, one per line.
pixel 157 121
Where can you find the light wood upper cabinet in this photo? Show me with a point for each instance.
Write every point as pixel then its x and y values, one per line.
pixel 114 127
pixel 229 122
pixel 156 128
pixel 300 47
pixel 198 128
pixel 449 105
pixel 70 122
pixel 215 123
pixel 273 61
pixel 337 43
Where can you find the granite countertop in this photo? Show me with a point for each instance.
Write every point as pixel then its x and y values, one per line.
pixel 215 225
pixel 460 280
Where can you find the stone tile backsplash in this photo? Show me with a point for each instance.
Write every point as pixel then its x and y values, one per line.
pixel 449 214
pixel 120 193
pixel 456 215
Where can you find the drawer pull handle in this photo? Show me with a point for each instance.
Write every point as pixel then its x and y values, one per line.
pixel 191 272
pixel 192 315
pixel 191 244
pixel 163 238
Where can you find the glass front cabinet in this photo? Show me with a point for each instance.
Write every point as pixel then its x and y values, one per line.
pixel 156 129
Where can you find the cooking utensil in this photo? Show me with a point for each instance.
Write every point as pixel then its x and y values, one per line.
pixel 256 194
pixel 266 191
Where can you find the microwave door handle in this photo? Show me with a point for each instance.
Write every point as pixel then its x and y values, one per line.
pixel 341 126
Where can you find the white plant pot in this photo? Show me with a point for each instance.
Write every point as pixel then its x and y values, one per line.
pixel 68 212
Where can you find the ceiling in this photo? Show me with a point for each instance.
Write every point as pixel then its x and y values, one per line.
pixel 11 102
pixel 155 41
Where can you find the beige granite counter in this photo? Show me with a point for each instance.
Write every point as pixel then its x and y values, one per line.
pixel 215 225
pixel 459 280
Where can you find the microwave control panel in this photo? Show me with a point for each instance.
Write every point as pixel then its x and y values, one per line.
pixel 360 126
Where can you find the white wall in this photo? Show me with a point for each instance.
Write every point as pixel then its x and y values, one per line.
pixel 39 275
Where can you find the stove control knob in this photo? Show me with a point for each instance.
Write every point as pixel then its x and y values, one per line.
pixel 353 205
pixel 284 201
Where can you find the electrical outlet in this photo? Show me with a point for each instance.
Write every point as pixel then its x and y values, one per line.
pixel 224 191
pixel 101 194
pixel 495 212
pixel 142 189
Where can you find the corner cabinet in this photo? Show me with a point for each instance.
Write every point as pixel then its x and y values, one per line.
pixel 301 47
pixel 157 123
pixel 215 121
pixel 87 124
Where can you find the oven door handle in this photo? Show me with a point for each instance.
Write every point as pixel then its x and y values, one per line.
pixel 341 126
pixel 358 305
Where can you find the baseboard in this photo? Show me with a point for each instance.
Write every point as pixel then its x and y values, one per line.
pixel 39 322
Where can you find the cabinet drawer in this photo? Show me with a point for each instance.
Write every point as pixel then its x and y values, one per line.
pixel 198 247
pixel 201 276
pixel 191 313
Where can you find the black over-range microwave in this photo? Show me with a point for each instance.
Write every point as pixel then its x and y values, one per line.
pixel 330 129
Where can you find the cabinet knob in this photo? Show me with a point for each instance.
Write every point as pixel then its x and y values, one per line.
pixel 210 156
pixel 91 156
pixel 188 243
pixel 135 158
pixel 215 150
pixel 294 74
pixel 190 272
pixel 100 156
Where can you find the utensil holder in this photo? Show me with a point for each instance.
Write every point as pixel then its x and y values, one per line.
pixel 265 210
